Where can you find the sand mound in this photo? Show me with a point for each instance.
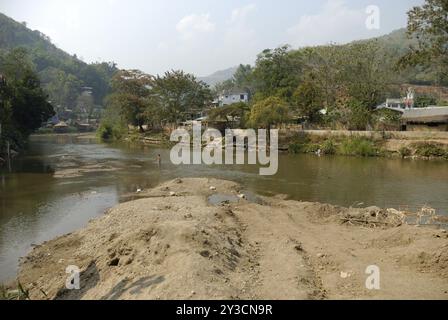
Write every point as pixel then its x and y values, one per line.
pixel 172 242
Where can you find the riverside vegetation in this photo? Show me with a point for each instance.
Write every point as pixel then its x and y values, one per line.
pixel 289 86
pixel 364 147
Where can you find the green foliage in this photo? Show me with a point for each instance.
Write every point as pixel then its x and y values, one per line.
pixel 113 124
pixel 18 294
pixel 276 73
pixel 303 144
pixel 405 152
pixel 23 103
pixel 309 99
pixel 430 150
pixel 268 112
pixel 358 146
pixel 230 113
pixel 359 117
pixel 424 101
pixel 180 94
pixel 329 147
pixel 131 95
pixel 62 75
pixel 299 144
pixel 429 24
pixel 108 131
pixel 243 77
pixel 139 99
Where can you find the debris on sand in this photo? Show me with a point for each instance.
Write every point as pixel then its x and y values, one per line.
pixel 373 217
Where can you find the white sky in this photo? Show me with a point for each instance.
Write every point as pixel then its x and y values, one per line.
pixel 198 36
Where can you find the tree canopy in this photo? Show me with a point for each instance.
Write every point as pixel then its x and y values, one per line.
pixel 23 104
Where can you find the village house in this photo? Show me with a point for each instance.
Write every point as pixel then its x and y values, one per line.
pixel 432 118
pixel 61 127
pixel 425 119
pixel 232 96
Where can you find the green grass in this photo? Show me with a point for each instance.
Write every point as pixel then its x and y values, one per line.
pixel 430 150
pixel 17 294
pixel 300 144
pixel 329 147
pixel 358 146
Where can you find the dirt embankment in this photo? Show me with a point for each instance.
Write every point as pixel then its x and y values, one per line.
pixel 203 239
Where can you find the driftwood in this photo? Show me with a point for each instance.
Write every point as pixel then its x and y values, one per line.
pixel 365 221
pixel 373 217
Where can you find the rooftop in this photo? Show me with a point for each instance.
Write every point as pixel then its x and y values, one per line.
pixel 430 114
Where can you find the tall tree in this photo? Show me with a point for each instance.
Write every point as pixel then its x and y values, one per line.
pixel 277 73
pixel 429 24
pixel 179 94
pixel 309 99
pixel 131 89
pixel 268 112
pixel 242 77
pixel 23 104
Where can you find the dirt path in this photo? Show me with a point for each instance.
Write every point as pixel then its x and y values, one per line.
pixel 174 244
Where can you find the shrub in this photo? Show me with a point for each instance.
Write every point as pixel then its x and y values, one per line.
pixel 329 147
pixel 295 148
pixel 299 144
pixel 430 150
pixel 358 146
pixel 405 152
pixel 108 131
pixel 105 132
pixel 312 148
pixel 424 101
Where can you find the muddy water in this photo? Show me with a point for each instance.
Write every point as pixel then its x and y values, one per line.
pixel 47 195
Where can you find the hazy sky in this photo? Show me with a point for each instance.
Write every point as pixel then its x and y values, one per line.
pixel 198 36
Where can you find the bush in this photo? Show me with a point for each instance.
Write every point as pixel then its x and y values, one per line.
pixel 425 101
pixel 299 144
pixel 105 132
pixel 358 146
pixel 430 150
pixel 312 148
pixel 405 152
pixel 296 148
pixel 329 147
pixel 108 131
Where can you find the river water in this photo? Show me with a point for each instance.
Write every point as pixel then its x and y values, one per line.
pixel 41 198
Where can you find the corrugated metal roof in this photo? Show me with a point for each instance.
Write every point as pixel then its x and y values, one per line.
pixel 430 114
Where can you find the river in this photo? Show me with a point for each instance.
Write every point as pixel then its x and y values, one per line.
pixel 38 202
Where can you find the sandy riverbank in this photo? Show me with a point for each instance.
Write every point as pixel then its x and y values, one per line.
pixel 175 242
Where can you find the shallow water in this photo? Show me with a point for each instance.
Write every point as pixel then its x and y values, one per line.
pixel 36 206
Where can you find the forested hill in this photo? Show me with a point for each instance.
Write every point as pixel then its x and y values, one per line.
pixel 397 44
pixel 63 76
pixel 392 46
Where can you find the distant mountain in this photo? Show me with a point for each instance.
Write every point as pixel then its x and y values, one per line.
pixel 63 76
pixel 219 76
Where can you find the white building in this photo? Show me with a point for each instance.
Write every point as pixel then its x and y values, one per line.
pixel 233 96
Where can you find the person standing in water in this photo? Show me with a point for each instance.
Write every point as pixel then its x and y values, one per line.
pixel 159 160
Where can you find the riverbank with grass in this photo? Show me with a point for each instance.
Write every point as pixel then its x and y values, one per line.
pixel 406 145
pixel 368 144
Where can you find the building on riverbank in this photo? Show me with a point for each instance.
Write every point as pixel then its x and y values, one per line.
pixel 232 96
pixel 425 119
pixel 61 127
